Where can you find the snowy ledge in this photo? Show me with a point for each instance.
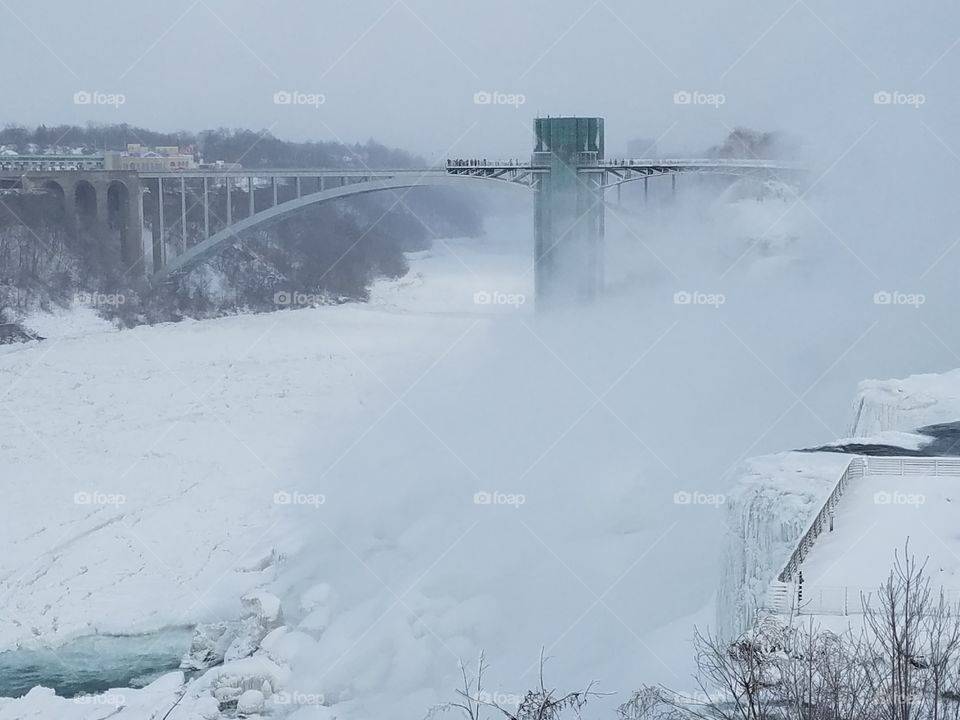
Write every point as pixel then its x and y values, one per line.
pixel 777 496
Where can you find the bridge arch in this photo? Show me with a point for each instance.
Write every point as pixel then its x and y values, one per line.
pixel 118 215
pixel 212 245
pixel 85 203
pixel 59 196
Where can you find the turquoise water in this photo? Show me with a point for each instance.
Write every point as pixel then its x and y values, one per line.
pixel 94 663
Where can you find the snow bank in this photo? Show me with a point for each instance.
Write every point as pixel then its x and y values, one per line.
pixel 893 438
pixel 768 511
pixel 121 704
pixel 74 322
pixel 905 404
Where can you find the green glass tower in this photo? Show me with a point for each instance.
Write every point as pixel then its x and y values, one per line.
pixel 568 210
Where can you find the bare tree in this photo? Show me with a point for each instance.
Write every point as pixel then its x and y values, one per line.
pixel 896 627
pixel 537 704
pixel 902 664
pixel 941 626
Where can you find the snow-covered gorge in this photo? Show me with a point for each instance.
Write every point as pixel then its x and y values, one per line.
pixel 399 414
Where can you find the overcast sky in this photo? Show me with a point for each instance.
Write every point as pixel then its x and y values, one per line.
pixel 406 71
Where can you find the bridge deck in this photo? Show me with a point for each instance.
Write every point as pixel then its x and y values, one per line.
pixel 456 167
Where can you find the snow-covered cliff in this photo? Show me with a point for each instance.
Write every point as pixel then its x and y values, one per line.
pixel 771 506
pixel 905 404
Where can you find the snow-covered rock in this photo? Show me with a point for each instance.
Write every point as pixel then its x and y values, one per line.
pixel 316 607
pixel 227 683
pixel 893 438
pixel 209 645
pixel 319 595
pixel 207 708
pixel 316 621
pixel 251 701
pixel 283 645
pixel 262 613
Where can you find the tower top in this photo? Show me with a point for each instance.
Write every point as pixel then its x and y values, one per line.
pixel 568 136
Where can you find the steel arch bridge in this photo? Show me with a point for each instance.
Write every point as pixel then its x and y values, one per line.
pixel 317 186
pixel 327 186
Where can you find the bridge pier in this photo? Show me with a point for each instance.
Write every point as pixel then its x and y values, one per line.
pixel 206 208
pixel 109 207
pixel 568 210
pixel 159 239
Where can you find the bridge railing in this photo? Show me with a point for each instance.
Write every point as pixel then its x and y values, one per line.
pixel 702 162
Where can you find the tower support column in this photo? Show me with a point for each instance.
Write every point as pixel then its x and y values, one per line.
pixel 568 211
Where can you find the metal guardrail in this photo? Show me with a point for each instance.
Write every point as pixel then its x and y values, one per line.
pixel 782 595
pixel 901 466
pixel 855 469
pixel 792 599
